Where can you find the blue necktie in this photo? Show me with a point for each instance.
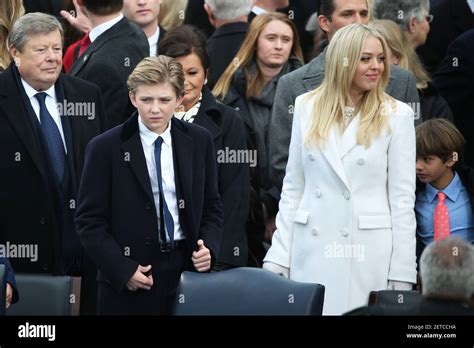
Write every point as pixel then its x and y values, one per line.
pixel 164 211
pixel 53 137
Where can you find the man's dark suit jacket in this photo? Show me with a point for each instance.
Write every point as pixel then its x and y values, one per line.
pixel 451 18
pixel 10 277
pixel 28 213
pixel 108 62
pixel 222 46
pixel 116 210
pixel 454 80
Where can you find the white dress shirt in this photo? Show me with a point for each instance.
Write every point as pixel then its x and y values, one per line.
pixel 51 105
pixel 148 139
pixel 153 42
pixel 102 28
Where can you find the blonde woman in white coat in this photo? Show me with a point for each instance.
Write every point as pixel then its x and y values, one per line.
pixel 346 217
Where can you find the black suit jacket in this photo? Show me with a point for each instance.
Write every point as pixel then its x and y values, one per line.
pixel 454 80
pixel 222 46
pixel 451 18
pixel 228 133
pixel 27 211
pixel 116 209
pixel 108 62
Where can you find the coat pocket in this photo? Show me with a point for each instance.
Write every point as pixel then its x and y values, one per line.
pixel 301 216
pixel 371 222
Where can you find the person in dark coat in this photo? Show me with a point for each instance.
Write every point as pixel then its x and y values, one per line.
pixel 451 18
pixel 454 80
pixel 115 48
pixel 40 161
pixel 188 46
pixel 148 206
pixel 248 90
pixel 230 20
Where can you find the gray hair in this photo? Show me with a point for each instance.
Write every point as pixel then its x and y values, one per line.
pixel 447 269
pixel 400 11
pixel 33 24
pixel 229 9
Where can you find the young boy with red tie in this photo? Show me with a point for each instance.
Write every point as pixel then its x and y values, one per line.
pixel 445 188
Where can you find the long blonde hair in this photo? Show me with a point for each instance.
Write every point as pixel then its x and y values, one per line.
pixel 247 54
pixel 342 58
pixel 172 13
pixel 10 11
pixel 408 59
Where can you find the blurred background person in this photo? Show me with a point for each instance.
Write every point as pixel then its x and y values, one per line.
pixel 432 104
pixel 271 49
pixel 413 17
pixel 108 54
pixel 454 80
pixel 344 132
pixel 188 46
pixel 447 278
pixel 10 11
pixel 145 14
pixel 451 18
pixel 230 20
pixel 172 13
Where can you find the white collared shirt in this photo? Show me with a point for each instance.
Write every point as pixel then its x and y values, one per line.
pixel 258 10
pixel 471 5
pixel 102 28
pixel 51 104
pixel 148 139
pixel 153 42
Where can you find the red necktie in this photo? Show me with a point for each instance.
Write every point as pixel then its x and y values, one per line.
pixel 85 42
pixel 441 218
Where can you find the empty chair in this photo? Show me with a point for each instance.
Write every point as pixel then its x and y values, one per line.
pixel 395 297
pixel 246 291
pixel 43 294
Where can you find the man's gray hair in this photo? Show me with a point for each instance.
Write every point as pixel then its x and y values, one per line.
pixel 447 269
pixel 33 24
pixel 229 9
pixel 400 11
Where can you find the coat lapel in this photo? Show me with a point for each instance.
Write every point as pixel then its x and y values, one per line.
pixel 15 111
pixel 132 151
pixel 331 153
pixel 349 138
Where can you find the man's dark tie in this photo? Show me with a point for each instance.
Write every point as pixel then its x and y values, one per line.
pixel 53 137
pixel 165 214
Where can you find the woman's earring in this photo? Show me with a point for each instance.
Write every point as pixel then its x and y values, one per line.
pixel 205 81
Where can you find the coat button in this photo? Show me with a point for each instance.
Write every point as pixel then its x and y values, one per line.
pixel 345 232
pixel 361 161
pixel 148 206
pixel 43 220
pixel 317 193
pixel 314 232
pixel 237 108
pixel 311 157
pixel 148 241
pixel 347 195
